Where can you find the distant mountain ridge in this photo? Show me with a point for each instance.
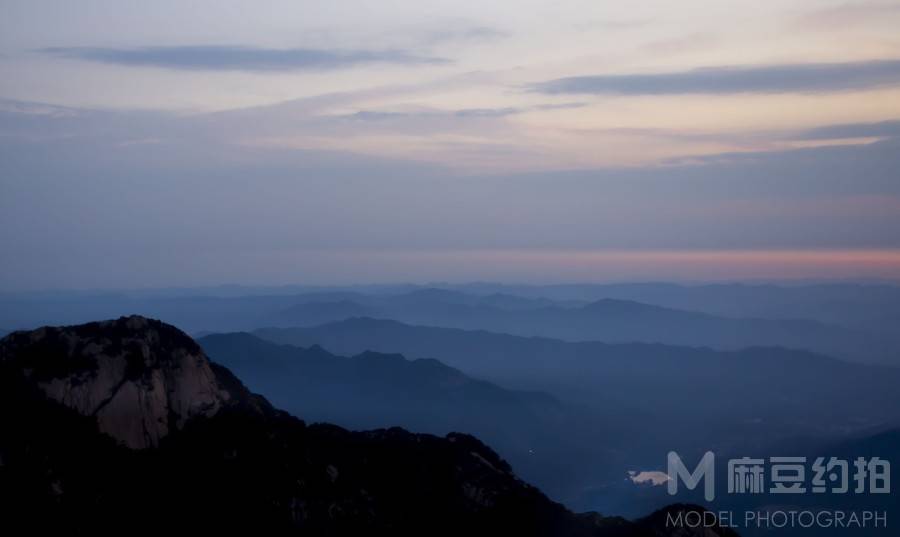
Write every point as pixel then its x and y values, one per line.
pixel 614 374
pixel 868 306
pixel 609 320
pixel 371 390
pixel 677 315
pixel 293 375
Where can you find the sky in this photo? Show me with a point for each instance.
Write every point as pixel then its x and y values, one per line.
pixel 211 142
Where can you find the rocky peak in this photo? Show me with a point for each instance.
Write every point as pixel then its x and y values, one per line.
pixel 140 378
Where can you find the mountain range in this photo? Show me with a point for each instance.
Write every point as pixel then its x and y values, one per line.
pixel 608 320
pixel 560 446
pixel 675 315
pixel 870 307
pixel 116 423
pixel 763 393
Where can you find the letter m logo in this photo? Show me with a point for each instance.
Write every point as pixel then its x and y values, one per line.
pixel 706 470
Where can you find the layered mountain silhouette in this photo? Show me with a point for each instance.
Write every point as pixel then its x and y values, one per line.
pixel 562 447
pixel 568 316
pixel 868 307
pixel 372 390
pixel 608 320
pixel 111 424
pixel 756 393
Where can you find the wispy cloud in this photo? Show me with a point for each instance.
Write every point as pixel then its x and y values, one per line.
pixel 812 78
pixel 883 129
pixel 464 33
pixel 849 14
pixel 238 58
pixel 378 115
pixel 612 24
pixel 682 43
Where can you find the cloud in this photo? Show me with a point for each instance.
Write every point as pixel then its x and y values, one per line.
pixel 849 15
pixel 9 106
pixel 463 113
pixel 559 106
pixel 683 43
pixel 813 78
pixel 611 24
pixel 238 58
pixel 883 129
pixel 377 115
pixel 465 33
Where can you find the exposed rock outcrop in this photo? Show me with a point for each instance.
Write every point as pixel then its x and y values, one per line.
pixel 138 377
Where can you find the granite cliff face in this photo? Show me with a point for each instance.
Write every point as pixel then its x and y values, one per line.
pixel 76 402
pixel 138 377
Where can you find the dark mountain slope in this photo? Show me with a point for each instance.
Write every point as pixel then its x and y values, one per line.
pixel 242 466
